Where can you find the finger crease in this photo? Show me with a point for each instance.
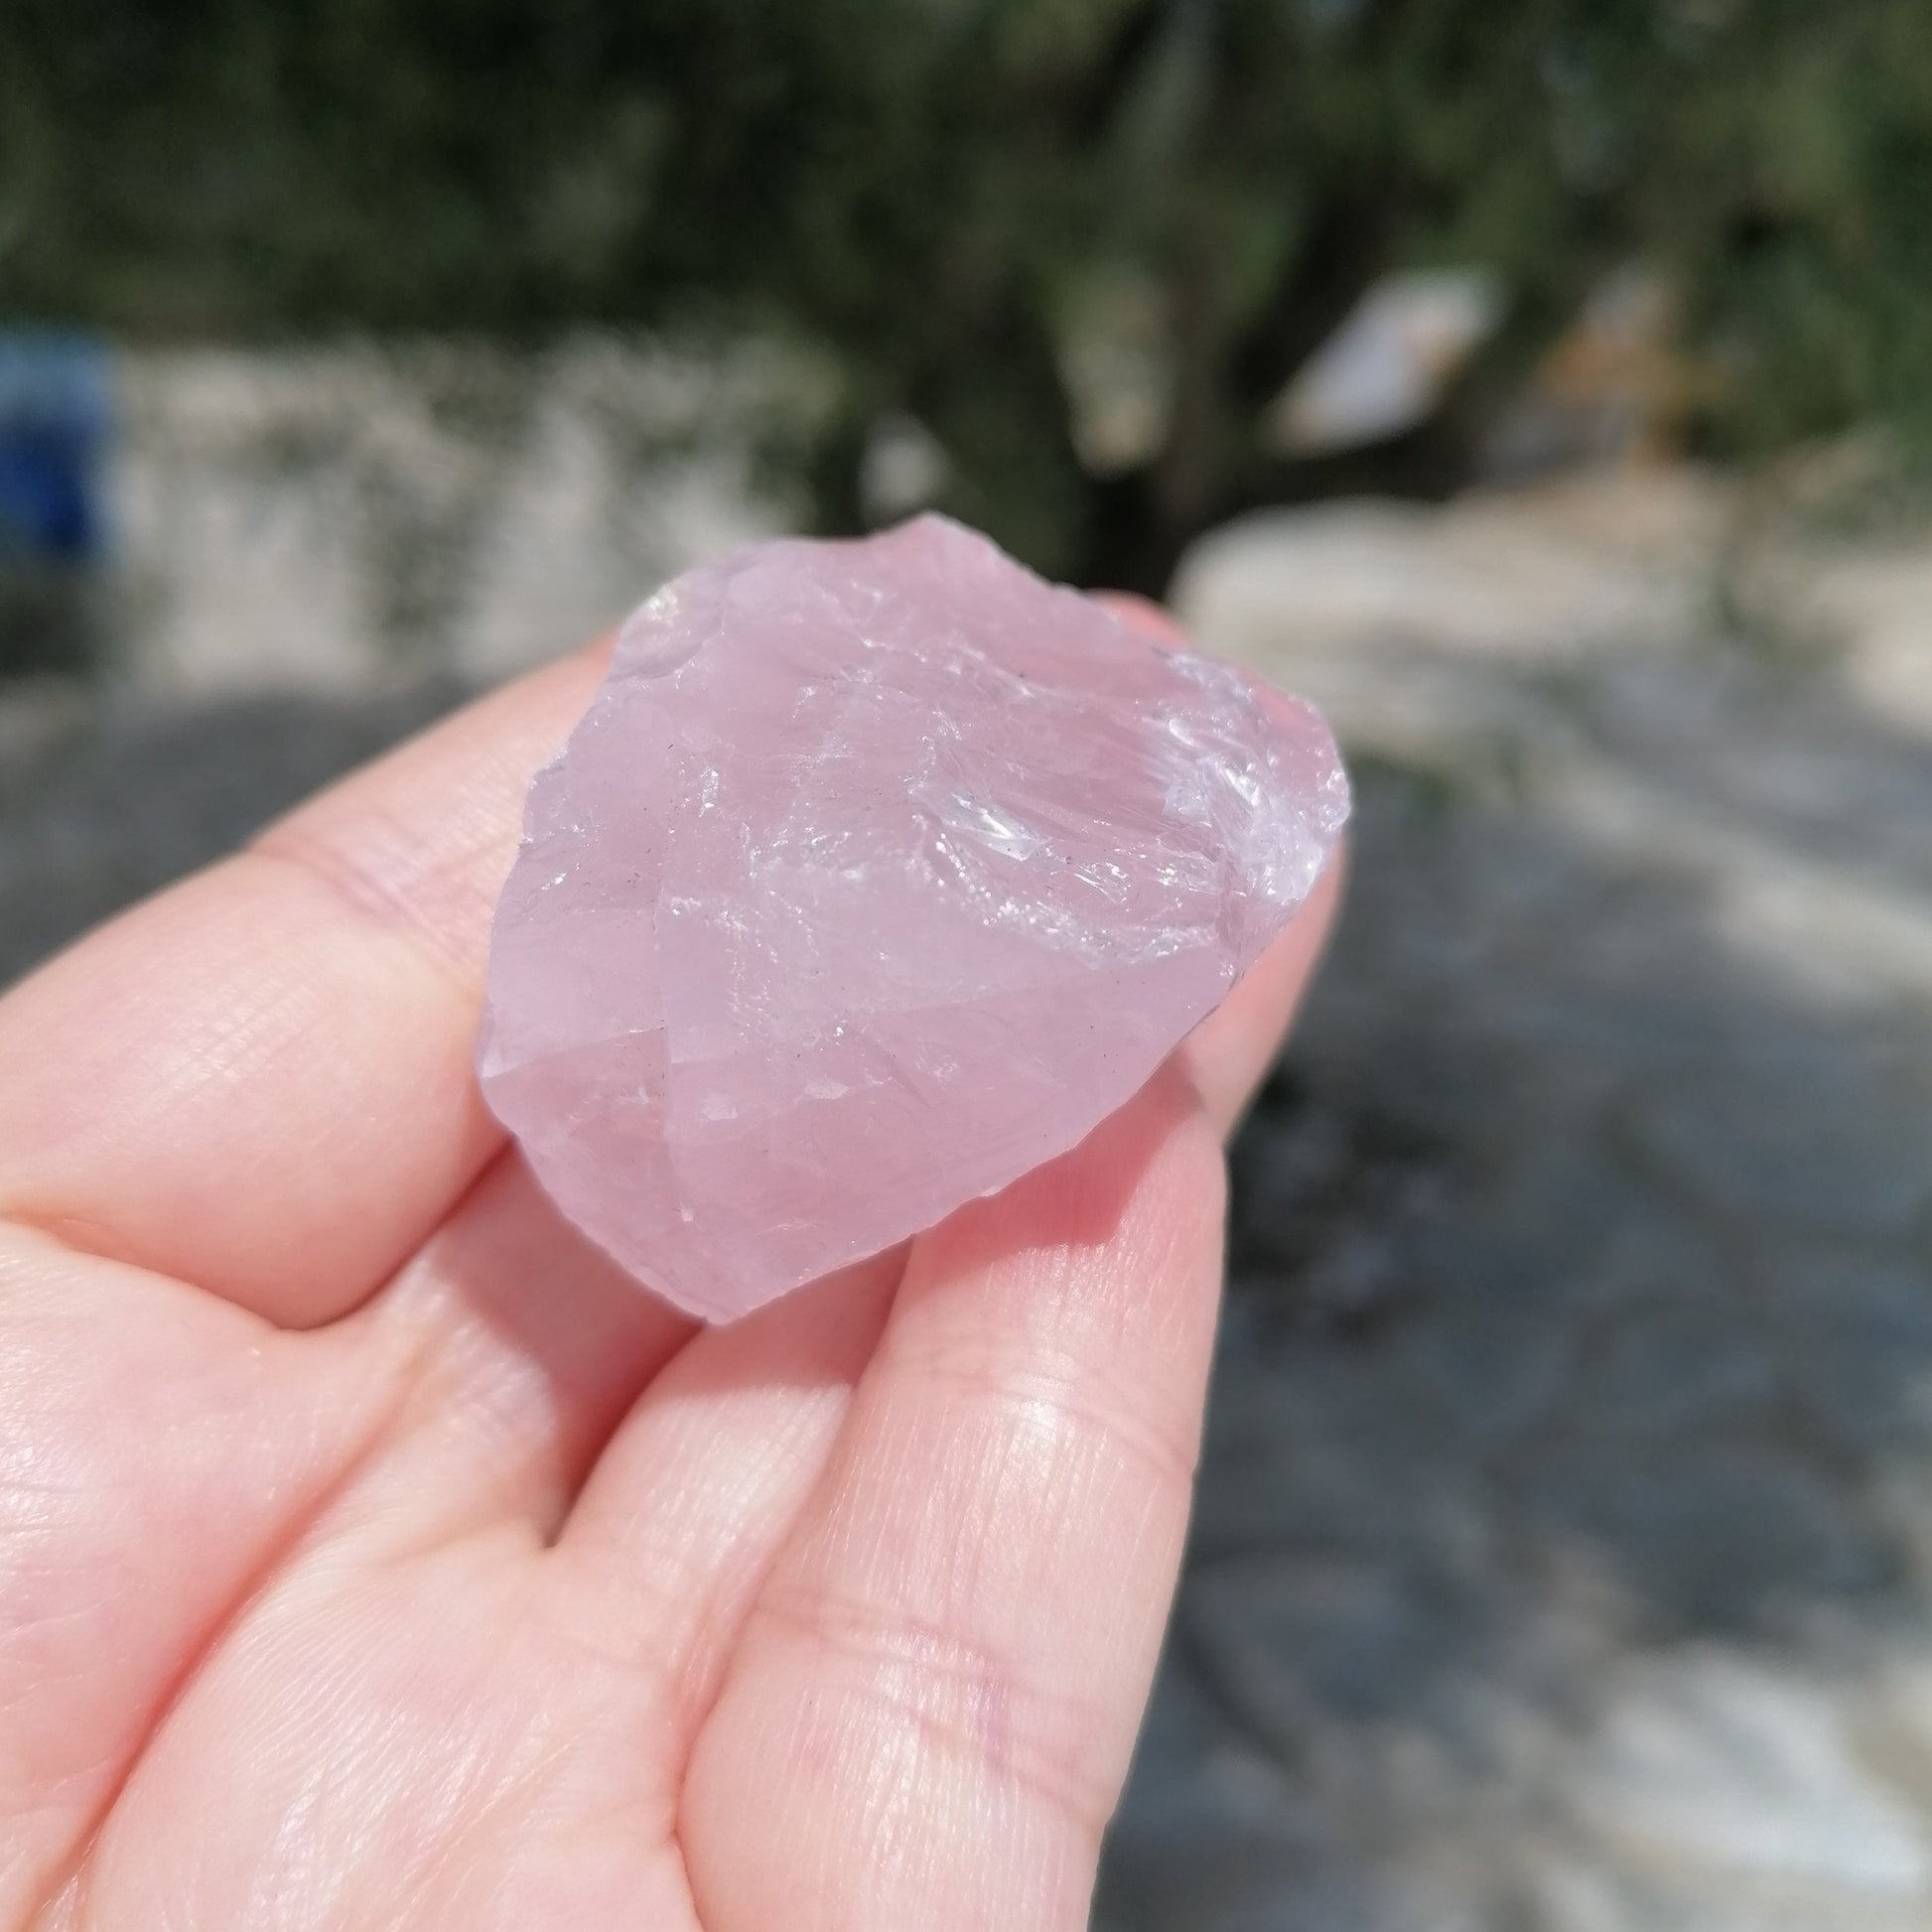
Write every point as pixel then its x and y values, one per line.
pixel 364 891
pixel 965 1700
pixel 1107 1416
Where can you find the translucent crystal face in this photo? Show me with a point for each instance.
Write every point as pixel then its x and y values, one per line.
pixel 876 873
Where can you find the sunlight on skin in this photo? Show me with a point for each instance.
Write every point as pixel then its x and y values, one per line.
pixel 373 1555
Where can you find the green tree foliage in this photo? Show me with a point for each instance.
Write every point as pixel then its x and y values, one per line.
pixel 938 196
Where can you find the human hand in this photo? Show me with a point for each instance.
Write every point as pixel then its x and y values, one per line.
pixel 372 1554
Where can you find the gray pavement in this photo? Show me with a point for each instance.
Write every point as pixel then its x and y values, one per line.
pixel 1562 1556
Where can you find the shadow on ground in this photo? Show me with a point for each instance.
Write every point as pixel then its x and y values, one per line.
pixel 102 804
pixel 1562 1553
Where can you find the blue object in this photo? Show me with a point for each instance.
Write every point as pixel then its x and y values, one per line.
pixel 56 419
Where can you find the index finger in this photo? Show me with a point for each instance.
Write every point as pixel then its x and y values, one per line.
pixel 260 1080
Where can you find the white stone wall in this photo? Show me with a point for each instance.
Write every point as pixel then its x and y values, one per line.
pixel 321 520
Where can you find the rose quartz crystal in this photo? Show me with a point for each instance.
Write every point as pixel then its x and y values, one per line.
pixel 876 873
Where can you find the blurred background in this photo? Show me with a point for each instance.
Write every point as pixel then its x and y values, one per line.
pixel 1545 386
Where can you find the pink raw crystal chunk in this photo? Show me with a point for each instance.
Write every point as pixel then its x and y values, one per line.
pixel 876 873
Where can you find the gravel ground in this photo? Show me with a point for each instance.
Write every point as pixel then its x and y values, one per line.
pixel 1563 1542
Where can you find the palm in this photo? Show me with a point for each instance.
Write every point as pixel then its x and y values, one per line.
pixel 411 1569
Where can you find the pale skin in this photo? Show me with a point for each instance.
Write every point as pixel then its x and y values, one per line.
pixel 373 1555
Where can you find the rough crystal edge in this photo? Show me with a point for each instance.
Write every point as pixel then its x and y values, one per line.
pixel 632 656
